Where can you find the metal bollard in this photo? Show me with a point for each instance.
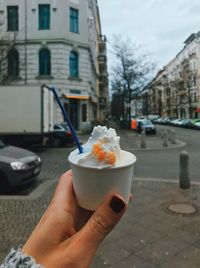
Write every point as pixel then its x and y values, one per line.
pixel 173 137
pixel 142 140
pixel 169 133
pixel 164 137
pixel 184 176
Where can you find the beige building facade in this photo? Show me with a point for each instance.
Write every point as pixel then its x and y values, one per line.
pixel 58 43
pixel 175 91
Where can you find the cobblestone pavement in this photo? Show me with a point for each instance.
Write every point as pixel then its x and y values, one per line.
pixel 149 235
pixel 18 218
pixel 19 214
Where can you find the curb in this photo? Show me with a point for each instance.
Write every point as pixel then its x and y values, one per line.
pixel 44 187
pixel 35 194
pixel 156 181
pixel 181 144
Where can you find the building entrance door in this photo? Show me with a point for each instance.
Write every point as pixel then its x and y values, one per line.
pixel 73 112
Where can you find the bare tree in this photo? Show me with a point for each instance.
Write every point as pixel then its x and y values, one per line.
pixel 8 42
pixel 131 68
pixel 118 98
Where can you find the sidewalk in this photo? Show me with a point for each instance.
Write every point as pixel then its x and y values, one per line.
pixel 149 235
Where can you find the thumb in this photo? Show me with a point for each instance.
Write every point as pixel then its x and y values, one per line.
pixel 102 222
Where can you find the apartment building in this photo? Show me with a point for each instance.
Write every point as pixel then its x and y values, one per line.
pixel 156 100
pixel 177 86
pixel 58 43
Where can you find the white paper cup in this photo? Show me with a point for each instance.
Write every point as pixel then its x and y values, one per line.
pixel 91 184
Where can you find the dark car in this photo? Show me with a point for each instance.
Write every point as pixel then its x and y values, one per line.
pixel 186 123
pixel 61 135
pixel 17 166
pixel 146 125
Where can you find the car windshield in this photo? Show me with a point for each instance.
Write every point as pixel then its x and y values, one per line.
pixel 146 122
pixel 64 125
pixel 56 127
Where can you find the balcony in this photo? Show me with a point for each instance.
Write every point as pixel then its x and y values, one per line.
pixel 102 38
pixel 181 92
pixel 192 54
pixel 102 42
pixel 103 102
pixel 185 63
pixel 103 79
pixel 102 61
pixel 102 58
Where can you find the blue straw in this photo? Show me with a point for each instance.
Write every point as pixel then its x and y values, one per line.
pixel 66 118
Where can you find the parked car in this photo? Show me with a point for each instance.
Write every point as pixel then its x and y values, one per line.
pixel 61 135
pixel 186 123
pixel 175 122
pixel 163 120
pixel 17 166
pixel 180 122
pixel 153 117
pixel 194 123
pixel 197 125
pixel 146 125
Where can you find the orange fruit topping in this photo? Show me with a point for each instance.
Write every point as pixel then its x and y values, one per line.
pixel 101 155
pixel 96 149
pixel 110 158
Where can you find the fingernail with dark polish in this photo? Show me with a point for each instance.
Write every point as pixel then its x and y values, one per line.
pixel 117 204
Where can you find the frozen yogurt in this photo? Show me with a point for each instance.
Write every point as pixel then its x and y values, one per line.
pixel 101 169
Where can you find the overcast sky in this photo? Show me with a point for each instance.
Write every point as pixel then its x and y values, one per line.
pixel 160 25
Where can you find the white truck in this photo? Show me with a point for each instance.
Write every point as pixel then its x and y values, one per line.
pixel 26 114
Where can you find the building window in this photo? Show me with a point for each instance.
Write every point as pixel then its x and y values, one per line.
pixel 84 112
pixel 194 81
pixel 13 63
pixel 73 64
pixel 195 97
pixel 44 62
pixel 44 17
pixel 74 20
pixel 12 18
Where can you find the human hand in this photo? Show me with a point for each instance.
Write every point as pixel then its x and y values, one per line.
pixel 67 235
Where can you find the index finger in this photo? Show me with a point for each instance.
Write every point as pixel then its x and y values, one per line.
pixel 64 194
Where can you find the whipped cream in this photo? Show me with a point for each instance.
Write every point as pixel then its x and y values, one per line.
pixel 102 149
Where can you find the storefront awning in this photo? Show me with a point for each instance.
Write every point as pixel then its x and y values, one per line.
pixel 197 110
pixel 76 96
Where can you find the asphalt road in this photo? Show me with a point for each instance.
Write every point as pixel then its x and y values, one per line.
pixel 151 163
pixel 164 163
